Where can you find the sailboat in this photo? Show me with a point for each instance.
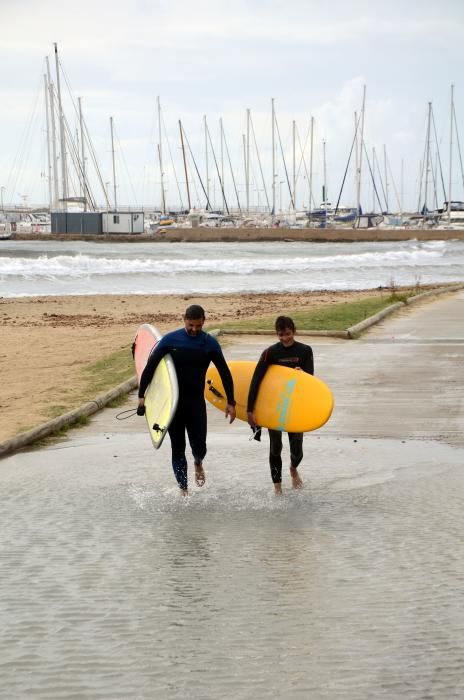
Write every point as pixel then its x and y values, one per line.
pixel 5 230
pixel 451 216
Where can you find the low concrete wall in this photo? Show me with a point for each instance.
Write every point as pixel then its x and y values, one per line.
pixel 354 331
pixel 327 334
pixel 66 420
pixel 316 235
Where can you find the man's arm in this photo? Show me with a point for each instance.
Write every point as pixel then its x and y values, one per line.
pixel 257 378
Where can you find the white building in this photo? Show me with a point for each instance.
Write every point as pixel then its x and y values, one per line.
pixel 123 222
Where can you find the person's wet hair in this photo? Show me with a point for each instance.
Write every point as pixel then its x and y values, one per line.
pixel 194 312
pixel 284 322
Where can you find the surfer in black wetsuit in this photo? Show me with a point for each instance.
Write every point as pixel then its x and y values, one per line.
pixel 288 353
pixel 192 350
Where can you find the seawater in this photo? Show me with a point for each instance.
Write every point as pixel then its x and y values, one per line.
pixel 29 268
pixel 114 587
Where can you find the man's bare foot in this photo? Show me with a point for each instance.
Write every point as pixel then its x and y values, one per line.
pixel 184 492
pixel 296 480
pixel 200 476
pixel 278 489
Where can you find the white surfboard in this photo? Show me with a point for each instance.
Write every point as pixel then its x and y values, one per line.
pixel 162 393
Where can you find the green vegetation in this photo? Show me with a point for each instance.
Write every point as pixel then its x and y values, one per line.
pixel 334 317
pixel 99 377
pixel 108 372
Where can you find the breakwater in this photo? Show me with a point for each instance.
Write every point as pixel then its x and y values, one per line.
pixel 210 235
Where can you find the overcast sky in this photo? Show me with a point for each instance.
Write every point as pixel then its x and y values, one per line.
pixel 218 58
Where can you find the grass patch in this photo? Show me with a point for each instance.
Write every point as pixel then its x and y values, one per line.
pixel 109 372
pixel 120 401
pixel 336 317
pixel 99 377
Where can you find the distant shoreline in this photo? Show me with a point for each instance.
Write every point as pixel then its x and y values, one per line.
pixel 254 235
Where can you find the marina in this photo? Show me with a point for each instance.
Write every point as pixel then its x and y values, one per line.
pixel 268 183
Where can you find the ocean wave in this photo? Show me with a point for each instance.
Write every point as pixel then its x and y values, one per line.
pixel 38 269
pixel 75 266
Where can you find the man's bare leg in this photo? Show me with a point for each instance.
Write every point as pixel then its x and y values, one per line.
pixel 296 479
pixel 200 476
pixel 278 489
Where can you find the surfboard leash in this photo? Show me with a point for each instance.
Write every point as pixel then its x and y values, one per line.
pixel 123 415
pixel 126 414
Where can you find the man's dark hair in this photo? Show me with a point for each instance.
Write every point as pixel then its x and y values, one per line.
pixel 194 312
pixel 284 322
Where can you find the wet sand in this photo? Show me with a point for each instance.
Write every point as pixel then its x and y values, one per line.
pixel 47 342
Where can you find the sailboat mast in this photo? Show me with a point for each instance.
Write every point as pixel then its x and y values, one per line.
pixel 53 136
pixel 206 159
pixel 221 133
pixel 64 174
pixel 49 162
pixel 247 162
pixel 273 158
pixel 402 187
pixel 294 165
pixel 185 165
pixel 160 155
pixel 260 167
pixel 311 168
pixel 451 152
pixel 358 194
pixel 163 198
pixel 114 164
pixel 324 186
pixel 427 159
pixel 245 169
pixel 356 149
pixel 386 176
pixel 84 177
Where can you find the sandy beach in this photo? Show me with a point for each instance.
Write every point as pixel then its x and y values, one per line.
pixel 47 342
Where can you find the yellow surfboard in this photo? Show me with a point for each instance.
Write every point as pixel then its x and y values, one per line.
pixel 289 400
pixel 162 393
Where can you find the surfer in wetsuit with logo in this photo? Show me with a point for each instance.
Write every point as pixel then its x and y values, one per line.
pixel 192 350
pixel 288 353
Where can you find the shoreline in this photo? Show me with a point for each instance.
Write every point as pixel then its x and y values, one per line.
pixel 234 235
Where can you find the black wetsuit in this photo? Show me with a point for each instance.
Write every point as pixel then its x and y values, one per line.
pixel 192 356
pixel 297 355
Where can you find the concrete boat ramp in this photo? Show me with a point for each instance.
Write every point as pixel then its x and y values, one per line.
pixel 113 586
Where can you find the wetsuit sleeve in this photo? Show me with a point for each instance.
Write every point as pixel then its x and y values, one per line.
pixel 153 362
pixel 219 361
pixel 258 375
pixel 308 365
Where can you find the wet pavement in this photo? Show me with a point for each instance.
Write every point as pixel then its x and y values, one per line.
pixel 112 586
